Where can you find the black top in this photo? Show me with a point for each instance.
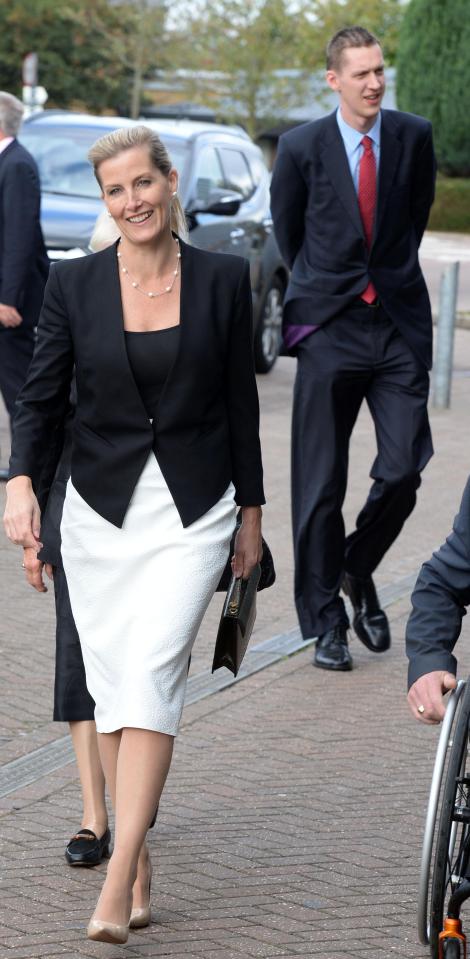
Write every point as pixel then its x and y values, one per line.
pixel 151 355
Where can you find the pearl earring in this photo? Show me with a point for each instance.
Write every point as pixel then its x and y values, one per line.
pixel 109 214
pixel 175 193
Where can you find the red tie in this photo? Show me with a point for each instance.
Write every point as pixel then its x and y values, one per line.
pixel 367 196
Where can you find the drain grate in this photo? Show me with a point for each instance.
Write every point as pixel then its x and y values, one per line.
pixel 47 759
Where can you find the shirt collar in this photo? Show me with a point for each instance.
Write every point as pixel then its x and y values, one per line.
pixel 353 137
pixel 5 143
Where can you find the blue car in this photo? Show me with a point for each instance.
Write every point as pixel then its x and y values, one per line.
pixel 224 185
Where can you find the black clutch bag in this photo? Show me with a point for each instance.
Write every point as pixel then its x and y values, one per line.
pixel 237 621
pixel 268 573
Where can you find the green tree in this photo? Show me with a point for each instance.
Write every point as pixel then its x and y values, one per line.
pixel 144 43
pixel 80 47
pixel 432 76
pixel 93 54
pixel 244 57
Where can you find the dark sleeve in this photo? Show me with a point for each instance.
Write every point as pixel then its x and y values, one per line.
pixel 289 196
pixel 439 599
pixel 43 402
pixel 20 215
pixel 242 401
pixel 423 186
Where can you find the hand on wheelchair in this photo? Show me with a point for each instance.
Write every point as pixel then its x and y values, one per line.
pixel 428 691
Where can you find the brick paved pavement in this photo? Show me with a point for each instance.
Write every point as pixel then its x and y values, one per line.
pixel 292 818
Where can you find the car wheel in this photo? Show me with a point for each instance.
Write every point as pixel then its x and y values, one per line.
pixel 269 330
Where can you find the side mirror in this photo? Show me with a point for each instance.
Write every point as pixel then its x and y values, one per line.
pixel 219 203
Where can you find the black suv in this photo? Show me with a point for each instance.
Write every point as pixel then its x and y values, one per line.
pixel 224 185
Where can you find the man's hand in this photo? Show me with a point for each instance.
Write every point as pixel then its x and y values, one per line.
pixel 428 691
pixel 9 316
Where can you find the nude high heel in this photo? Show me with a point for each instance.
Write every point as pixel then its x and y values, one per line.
pixel 101 931
pixel 141 916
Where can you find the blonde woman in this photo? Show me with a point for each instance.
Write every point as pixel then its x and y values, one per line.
pixel 165 443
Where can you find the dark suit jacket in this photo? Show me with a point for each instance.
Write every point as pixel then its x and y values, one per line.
pixel 205 433
pixel 439 599
pixel 24 264
pixel 319 230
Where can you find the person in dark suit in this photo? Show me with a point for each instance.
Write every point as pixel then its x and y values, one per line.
pixel 165 441
pixel 351 194
pixel 439 600
pixel 24 264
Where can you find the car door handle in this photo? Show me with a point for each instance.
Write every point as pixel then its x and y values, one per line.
pixel 237 234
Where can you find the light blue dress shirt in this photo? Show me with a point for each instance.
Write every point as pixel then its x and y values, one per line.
pixel 352 144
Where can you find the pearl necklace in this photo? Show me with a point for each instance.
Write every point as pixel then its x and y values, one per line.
pixel 153 294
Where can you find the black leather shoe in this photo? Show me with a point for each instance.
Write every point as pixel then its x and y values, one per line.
pixel 85 849
pixel 331 650
pixel 370 622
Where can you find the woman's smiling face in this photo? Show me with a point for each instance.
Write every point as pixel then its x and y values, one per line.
pixel 137 194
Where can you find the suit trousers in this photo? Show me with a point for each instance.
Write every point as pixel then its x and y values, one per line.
pixel 16 350
pixel 359 355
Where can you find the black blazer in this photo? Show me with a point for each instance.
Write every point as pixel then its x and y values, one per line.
pixel 24 264
pixel 319 230
pixel 205 433
pixel 439 601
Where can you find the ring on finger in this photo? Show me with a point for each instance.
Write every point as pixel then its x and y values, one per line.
pixel 421 709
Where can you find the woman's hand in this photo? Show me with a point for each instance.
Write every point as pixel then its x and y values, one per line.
pixel 22 517
pixel 34 568
pixel 248 542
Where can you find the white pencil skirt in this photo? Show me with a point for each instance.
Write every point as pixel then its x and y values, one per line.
pixel 138 596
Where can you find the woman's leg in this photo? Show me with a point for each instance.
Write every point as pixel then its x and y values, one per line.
pixel 136 764
pixel 85 744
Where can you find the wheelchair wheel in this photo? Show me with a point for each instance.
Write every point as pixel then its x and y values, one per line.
pixel 452 949
pixel 453 836
pixel 431 815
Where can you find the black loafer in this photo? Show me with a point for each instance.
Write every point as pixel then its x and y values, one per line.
pixel 370 622
pixel 85 849
pixel 331 650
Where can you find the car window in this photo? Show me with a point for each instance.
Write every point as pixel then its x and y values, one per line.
pixel 208 173
pixel 258 168
pixel 61 156
pixel 237 172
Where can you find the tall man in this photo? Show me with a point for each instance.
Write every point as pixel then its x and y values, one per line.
pixel 351 195
pixel 24 262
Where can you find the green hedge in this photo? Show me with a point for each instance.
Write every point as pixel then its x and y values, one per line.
pixel 451 209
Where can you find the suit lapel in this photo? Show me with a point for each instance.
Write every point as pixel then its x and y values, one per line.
pixel 336 165
pixel 390 153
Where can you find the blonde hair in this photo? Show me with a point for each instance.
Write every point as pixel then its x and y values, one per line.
pixel 105 233
pixel 124 139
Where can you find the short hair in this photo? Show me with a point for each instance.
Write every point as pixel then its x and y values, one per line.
pixel 11 113
pixel 347 37
pixel 125 138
